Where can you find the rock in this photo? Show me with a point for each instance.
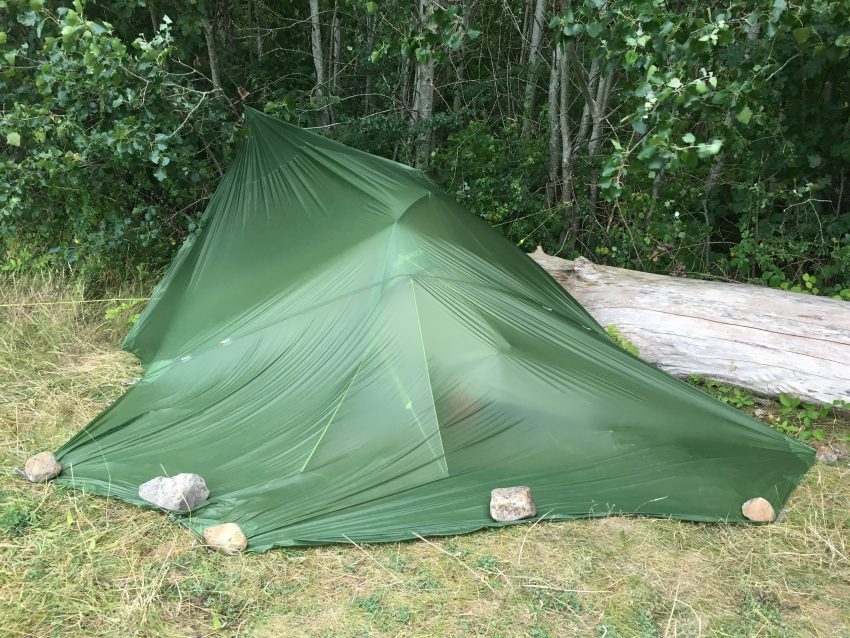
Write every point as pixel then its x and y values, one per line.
pixel 759 413
pixel 42 467
pixel 227 537
pixel 827 454
pixel 511 503
pixel 181 493
pixel 759 510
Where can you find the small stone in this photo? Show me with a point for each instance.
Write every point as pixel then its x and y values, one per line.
pixel 511 503
pixel 180 493
pixel 826 454
pixel 42 467
pixel 759 510
pixel 227 538
pixel 759 413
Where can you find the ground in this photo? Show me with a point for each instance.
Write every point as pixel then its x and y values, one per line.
pixel 77 565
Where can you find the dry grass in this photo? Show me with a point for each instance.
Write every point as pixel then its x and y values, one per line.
pixel 75 565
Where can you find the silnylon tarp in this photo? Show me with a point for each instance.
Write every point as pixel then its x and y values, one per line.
pixel 344 353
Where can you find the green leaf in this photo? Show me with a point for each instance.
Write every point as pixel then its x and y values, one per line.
pixel 700 87
pixel 745 115
pixel 814 160
pixel 639 126
pixel 13 139
pixel 371 7
pixel 802 34
pixel 2 37
pixel 28 19
pixel 688 138
pixel 98 29
pixel 473 33
pixel 712 148
pixel 572 29
pixel 160 174
pixel 593 29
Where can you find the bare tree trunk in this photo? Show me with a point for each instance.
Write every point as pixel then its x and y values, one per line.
pixel 336 48
pixel 460 68
pixel 590 83
pixel 656 195
pixel 370 44
pixel 406 104
pixel 570 226
pixel 423 110
pixel 258 39
pixel 318 60
pixel 761 338
pixel 554 131
pixel 710 183
pixel 533 54
pixel 154 17
pixel 423 101
pixel 526 22
pixel 212 54
pixel 602 93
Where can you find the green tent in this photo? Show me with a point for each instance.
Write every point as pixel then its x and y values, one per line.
pixel 345 353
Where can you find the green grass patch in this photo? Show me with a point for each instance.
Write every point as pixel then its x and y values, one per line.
pixel 77 565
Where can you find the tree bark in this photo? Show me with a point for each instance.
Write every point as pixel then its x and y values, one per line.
pixel 336 48
pixel 212 53
pixel 255 22
pixel 602 93
pixel 423 99
pixel 554 130
pixel 423 111
pixel 533 54
pixel 767 340
pixel 587 87
pixel 154 16
pixel 570 225
pixel 370 45
pixel 318 61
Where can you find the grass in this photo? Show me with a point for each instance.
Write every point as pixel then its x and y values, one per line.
pixel 76 565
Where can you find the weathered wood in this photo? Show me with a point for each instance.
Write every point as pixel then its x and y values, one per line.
pixel 770 341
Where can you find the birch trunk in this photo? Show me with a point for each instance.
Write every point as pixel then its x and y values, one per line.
pixel 767 340
pixel 423 111
pixel 570 225
pixel 554 131
pixel 533 54
pixel 423 99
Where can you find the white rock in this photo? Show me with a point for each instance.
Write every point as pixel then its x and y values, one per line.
pixel 42 467
pixel 180 493
pixel 511 503
pixel 227 538
pixel 759 510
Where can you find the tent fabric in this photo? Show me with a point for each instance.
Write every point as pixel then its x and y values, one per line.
pixel 344 353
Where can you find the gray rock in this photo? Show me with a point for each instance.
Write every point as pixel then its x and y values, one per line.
pixel 42 467
pixel 511 503
pixel 826 454
pixel 180 493
pixel 759 510
pixel 227 538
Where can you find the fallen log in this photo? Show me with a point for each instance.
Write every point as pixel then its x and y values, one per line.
pixel 767 340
